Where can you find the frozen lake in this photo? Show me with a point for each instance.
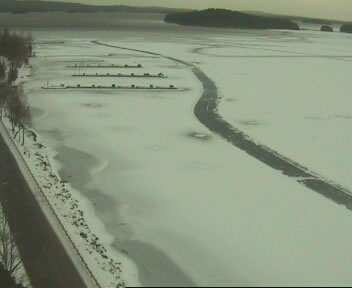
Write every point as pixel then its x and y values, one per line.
pixel 186 206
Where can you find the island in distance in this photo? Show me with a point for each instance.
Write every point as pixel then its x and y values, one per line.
pixel 223 18
pixel 346 28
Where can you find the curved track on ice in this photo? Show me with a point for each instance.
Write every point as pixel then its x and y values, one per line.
pixel 206 112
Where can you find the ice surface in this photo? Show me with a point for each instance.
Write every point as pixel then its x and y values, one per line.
pixel 221 216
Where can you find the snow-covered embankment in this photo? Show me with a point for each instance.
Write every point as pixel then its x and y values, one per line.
pixel 73 216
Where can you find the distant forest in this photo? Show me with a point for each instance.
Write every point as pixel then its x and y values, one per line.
pixel 14 6
pixel 223 18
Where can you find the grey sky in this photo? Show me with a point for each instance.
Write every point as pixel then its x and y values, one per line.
pixel 339 9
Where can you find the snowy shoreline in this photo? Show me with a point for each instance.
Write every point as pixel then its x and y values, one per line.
pixel 63 161
pixel 70 159
pixel 78 166
pixel 74 212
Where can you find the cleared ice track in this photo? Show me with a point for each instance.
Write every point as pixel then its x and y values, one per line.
pixel 206 112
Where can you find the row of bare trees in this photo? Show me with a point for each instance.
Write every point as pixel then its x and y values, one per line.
pixel 8 74
pixel 16 47
pixel 14 106
pixel 9 256
pixel 10 260
pixel 15 50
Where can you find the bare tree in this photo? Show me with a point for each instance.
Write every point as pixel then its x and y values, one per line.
pixel 19 112
pixel 13 74
pixel 9 255
pixel 15 48
pixel 3 69
pixel 29 43
pixel 24 118
pixel 12 107
pixel 3 99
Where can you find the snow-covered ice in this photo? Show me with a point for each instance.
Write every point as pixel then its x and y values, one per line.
pixel 220 216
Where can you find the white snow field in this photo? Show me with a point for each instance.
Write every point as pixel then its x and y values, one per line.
pixel 186 206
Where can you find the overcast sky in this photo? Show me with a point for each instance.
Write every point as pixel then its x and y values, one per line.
pixel 339 9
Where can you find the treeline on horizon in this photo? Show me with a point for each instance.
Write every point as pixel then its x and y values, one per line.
pixel 223 18
pixel 27 6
